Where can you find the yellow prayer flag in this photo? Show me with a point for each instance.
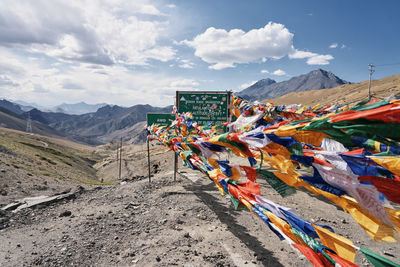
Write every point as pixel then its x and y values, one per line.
pixel 376 229
pixel 341 245
pixel 310 137
pixel 394 217
pixel 391 163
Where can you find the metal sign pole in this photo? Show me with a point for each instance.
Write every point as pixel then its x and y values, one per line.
pixel 148 157
pixel 176 132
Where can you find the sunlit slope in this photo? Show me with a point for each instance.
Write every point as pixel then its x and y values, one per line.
pixel 347 93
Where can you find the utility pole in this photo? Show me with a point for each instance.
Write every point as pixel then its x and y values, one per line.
pixel 29 123
pixel 371 70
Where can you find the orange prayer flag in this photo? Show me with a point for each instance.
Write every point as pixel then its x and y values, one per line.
pixel 341 245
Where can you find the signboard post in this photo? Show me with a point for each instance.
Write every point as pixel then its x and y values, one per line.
pixel 160 119
pixel 207 107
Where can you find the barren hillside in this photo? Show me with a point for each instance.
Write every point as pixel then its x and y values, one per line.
pixel 347 93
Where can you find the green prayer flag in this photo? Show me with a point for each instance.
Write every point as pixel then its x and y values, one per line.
pixel 282 188
pixel 377 260
pixel 362 107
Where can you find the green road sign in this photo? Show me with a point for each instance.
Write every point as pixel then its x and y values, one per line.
pixel 206 107
pixel 160 118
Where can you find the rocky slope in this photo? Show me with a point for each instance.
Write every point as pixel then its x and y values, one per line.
pixel 267 88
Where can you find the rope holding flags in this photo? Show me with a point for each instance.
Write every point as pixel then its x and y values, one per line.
pixel 353 152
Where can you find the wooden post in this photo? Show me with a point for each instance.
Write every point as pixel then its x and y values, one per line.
pixel 120 159
pixel 148 157
pixel 175 166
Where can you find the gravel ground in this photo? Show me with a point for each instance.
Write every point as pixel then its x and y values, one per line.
pixel 164 223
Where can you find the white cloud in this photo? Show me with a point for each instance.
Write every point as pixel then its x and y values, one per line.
pixel 343 46
pixel 334 45
pixel 245 85
pixel 99 32
pixel 319 60
pixel 171 6
pixel 184 83
pixel 149 10
pixel 302 54
pixel 224 49
pixel 264 71
pixel 312 58
pixel 31 81
pixel 279 72
pixel 186 64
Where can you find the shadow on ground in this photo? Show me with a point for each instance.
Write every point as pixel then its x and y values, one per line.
pixel 228 217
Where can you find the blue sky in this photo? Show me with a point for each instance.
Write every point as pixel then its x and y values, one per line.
pixel 141 51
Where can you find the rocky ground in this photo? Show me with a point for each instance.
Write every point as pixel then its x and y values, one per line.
pixel 184 222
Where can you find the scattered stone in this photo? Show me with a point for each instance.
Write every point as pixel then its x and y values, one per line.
pixel 65 213
pixel 158 258
pixel 187 235
pixel 388 253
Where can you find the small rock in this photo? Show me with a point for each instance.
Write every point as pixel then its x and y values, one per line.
pixel 158 258
pixel 65 213
pixel 365 262
pixel 388 253
pixel 187 235
pixel 344 221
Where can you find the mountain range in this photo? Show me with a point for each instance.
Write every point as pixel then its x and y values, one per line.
pixel 72 109
pixel 268 88
pixel 77 108
pixel 97 127
pixel 105 123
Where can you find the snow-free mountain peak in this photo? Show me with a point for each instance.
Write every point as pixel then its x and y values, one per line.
pixel 268 88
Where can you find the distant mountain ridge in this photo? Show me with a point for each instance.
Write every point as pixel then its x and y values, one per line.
pixel 268 88
pixel 72 109
pixel 77 108
pixel 100 126
pixel 15 108
pixel 106 124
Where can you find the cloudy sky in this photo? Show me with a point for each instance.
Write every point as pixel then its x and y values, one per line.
pixel 141 51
